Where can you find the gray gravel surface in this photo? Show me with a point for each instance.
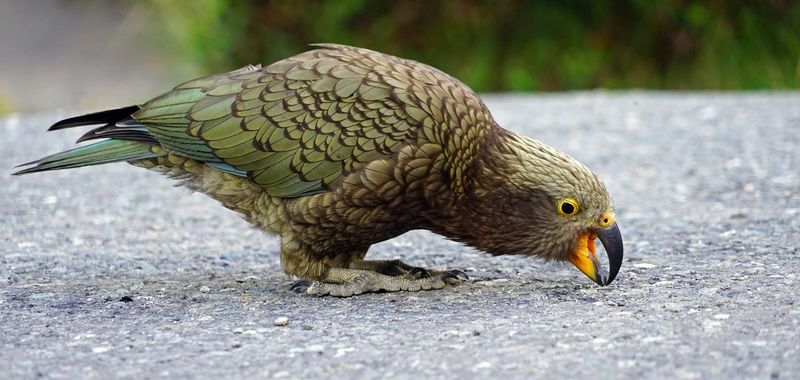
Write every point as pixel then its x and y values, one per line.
pixel 111 272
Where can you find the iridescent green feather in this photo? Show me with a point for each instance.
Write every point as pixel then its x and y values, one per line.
pixel 95 154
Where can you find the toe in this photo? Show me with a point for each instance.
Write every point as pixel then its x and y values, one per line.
pixel 317 288
pixel 417 272
pixel 449 277
pixel 460 274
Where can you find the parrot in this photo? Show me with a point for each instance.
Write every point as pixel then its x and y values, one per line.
pixel 338 148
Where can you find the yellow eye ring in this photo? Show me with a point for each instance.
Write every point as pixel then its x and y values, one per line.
pixel 567 207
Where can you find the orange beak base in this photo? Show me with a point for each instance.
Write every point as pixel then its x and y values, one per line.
pixel 585 257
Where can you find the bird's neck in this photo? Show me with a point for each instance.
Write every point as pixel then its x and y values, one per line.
pixel 503 163
pixel 495 204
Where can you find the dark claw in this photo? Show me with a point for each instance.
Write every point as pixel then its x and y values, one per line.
pixel 460 274
pixel 300 286
pixel 418 272
pixel 449 278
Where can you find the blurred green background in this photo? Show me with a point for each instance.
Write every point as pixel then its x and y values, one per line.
pixel 92 53
pixel 513 45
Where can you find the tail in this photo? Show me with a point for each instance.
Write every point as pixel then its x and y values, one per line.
pixel 128 140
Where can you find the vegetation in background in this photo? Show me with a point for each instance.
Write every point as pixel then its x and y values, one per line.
pixel 511 45
pixel 5 106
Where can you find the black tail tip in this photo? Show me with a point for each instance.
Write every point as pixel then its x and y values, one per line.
pixel 25 171
pixel 102 117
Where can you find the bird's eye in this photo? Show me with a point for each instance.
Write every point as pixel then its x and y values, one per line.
pixel 568 207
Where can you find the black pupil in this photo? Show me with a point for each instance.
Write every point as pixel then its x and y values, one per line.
pixel 567 208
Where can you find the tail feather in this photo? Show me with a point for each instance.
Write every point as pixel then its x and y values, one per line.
pixel 128 129
pixel 128 141
pixel 94 154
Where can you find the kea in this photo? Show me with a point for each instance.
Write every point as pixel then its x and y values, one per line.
pixel 339 148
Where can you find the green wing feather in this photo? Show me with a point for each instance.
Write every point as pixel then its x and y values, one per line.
pixel 297 126
pixel 95 154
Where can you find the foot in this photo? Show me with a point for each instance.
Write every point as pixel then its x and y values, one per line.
pixel 339 282
pixel 399 268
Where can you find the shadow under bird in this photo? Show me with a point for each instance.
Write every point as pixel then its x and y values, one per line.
pixel 338 148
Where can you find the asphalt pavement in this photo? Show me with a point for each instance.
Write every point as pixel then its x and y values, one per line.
pixel 111 272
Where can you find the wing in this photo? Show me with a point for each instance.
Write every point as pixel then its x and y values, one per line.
pixel 298 126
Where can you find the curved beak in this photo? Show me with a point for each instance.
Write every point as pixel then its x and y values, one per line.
pixel 585 256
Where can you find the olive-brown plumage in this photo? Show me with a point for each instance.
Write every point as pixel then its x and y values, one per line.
pixel 338 148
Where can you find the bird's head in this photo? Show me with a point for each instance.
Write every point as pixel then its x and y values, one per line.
pixel 555 208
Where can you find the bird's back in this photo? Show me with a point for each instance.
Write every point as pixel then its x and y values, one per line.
pixel 299 126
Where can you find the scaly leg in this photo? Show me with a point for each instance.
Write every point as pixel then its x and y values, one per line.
pixel 341 282
pixel 399 268
pixel 347 274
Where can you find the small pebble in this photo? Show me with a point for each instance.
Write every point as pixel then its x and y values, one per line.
pixel 204 289
pixel 281 321
pixel 248 278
